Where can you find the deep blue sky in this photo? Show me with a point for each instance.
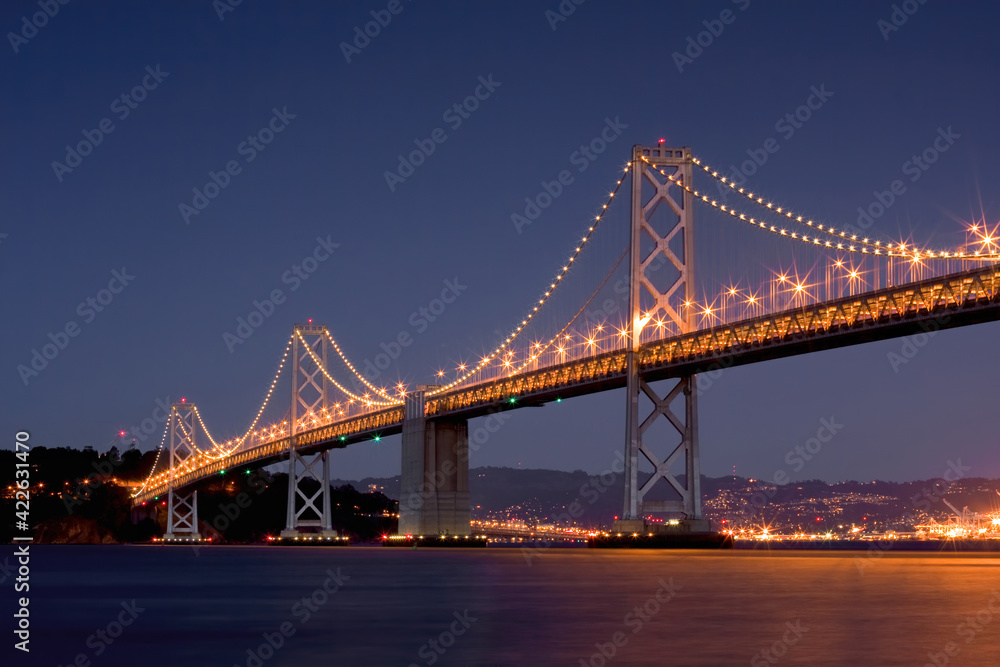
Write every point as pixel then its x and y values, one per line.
pixel 162 336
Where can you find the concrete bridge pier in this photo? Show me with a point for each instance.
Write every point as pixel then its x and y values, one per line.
pixel 434 488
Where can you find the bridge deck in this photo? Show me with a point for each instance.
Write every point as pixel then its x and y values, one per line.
pixel 960 299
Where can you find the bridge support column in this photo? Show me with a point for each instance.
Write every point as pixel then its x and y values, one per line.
pixel 182 507
pixel 662 222
pixel 307 514
pixel 689 506
pixel 182 516
pixel 434 493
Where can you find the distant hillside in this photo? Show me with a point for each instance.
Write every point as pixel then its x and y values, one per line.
pixel 532 494
pixel 547 496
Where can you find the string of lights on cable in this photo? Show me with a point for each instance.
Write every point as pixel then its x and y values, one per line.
pixel 239 441
pixel 842 239
pixel 186 464
pixel 367 400
pixel 540 349
pixel 377 390
pixel 159 451
pixel 541 302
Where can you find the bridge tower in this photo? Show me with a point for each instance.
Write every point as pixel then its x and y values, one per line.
pixel 434 484
pixel 669 234
pixel 182 508
pixel 310 403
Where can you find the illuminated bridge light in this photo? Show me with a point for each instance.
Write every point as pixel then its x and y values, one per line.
pixel 541 359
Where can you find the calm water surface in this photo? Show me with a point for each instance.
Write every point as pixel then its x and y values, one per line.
pixel 714 608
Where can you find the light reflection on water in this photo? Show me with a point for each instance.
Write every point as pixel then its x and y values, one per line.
pixel 568 604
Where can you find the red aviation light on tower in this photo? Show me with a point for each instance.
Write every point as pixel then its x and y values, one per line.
pixel 310 320
pixel 183 399
pixel 662 141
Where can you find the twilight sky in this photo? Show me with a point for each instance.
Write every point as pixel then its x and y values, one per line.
pixel 168 282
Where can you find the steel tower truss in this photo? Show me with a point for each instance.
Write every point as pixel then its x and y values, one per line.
pixel 669 304
pixel 182 508
pixel 310 405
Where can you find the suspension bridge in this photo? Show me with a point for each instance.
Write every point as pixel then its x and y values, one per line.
pixel 792 285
